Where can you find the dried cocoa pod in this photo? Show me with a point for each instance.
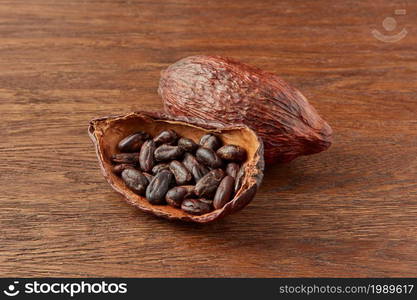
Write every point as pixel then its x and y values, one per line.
pixel 207 186
pixel 208 157
pixel 288 125
pixel 210 141
pixel 159 167
pixel 146 156
pixel 108 131
pixel 239 179
pixel 224 192
pixel 195 206
pixel 188 145
pixel 232 153
pixel 126 158
pixel 118 169
pixel 148 176
pixel 176 195
pixel 232 169
pixel 158 187
pixel 181 174
pixel 166 137
pixel 168 152
pixel 199 171
pixel 135 180
pixel 133 142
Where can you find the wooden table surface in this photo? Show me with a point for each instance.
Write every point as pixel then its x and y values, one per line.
pixel 349 211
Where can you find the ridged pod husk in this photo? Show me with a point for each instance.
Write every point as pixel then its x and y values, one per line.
pixel 108 131
pixel 224 90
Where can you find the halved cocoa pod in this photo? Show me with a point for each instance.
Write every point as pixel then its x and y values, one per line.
pixel 221 89
pixel 108 131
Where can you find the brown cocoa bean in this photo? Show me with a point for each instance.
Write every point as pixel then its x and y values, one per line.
pixel 232 169
pixel 188 145
pixel 159 167
pixel 133 142
pixel 126 158
pixel 148 176
pixel 166 137
pixel 189 161
pixel 135 180
pixel 239 178
pixel 159 186
pixel 118 169
pixel 181 174
pixel 208 157
pixel 210 141
pixel 224 192
pixel 232 153
pixel 199 171
pixel 207 186
pixel 168 152
pixel 146 156
pixel 176 195
pixel 195 207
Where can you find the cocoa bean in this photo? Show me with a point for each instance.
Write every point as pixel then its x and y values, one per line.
pixel 146 156
pixel 195 206
pixel 239 178
pixel 167 152
pixel 209 158
pixel 118 169
pixel 159 167
pixel 133 142
pixel 126 158
pixel 176 195
pixel 166 137
pixel 135 180
pixel 189 161
pixel 148 176
pixel 159 186
pixel 206 186
pixel 199 171
pixel 232 169
pixel 224 192
pixel 181 174
pixel 210 141
pixel 232 153
pixel 188 145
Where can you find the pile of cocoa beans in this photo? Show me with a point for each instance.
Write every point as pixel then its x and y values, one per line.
pixel 174 170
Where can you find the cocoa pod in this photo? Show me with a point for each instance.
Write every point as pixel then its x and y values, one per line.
pixel 176 195
pixel 166 137
pixel 199 171
pixel 232 153
pixel 133 142
pixel 224 192
pixel 206 186
pixel 146 156
pixel 126 158
pixel 195 206
pixel 135 180
pixel 288 125
pixel 106 132
pixel 159 167
pixel 210 141
pixel 208 157
pixel 118 169
pixel 181 174
pixel 158 187
pixel 232 169
pixel 188 145
pixel 168 152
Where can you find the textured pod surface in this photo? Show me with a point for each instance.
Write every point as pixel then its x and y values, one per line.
pixel 108 131
pixel 224 90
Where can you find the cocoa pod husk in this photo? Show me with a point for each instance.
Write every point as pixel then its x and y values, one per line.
pixel 106 132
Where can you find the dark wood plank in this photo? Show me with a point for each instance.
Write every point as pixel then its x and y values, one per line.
pixel 350 211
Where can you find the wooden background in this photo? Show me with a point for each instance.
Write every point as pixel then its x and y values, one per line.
pixel 350 211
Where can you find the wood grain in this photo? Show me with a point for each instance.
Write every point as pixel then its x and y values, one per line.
pixel 350 211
